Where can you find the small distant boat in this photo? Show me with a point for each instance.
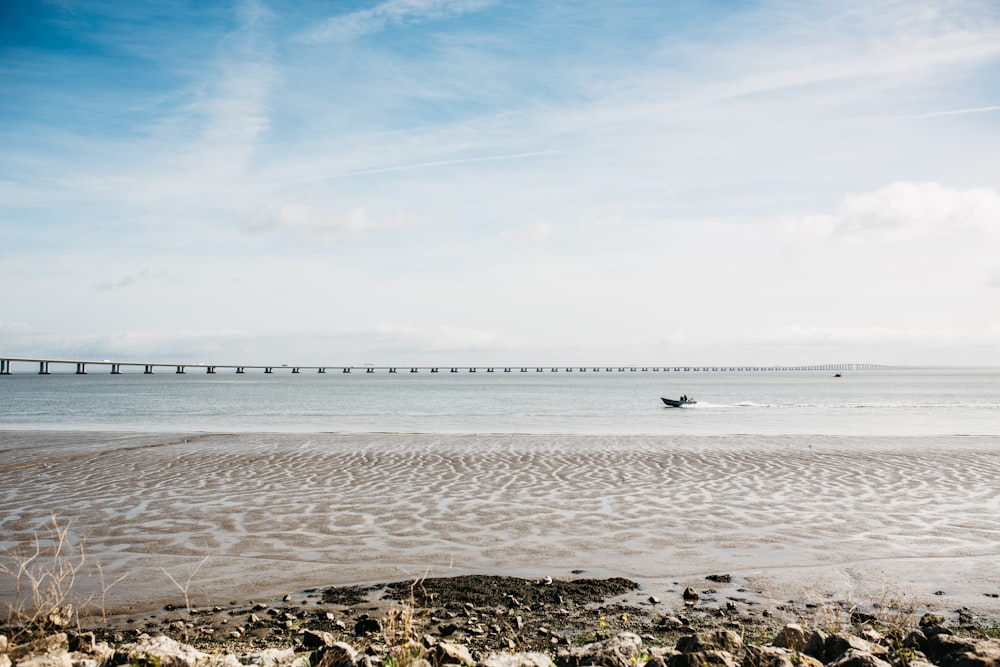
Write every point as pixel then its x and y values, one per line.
pixel 678 402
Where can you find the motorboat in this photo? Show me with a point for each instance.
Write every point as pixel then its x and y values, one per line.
pixel 678 402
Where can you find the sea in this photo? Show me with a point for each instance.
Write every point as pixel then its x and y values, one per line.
pixel 964 401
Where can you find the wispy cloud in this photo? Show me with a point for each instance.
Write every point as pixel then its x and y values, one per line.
pixel 954 112
pixel 449 163
pixel 881 336
pixel 315 224
pixel 906 208
pixel 128 280
pixel 392 12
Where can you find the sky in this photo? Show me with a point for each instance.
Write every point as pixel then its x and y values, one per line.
pixel 490 182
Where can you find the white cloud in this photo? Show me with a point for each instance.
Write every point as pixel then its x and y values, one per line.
pixel 880 336
pixel 912 209
pixel 367 21
pixel 537 231
pixel 129 280
pixel 437 339
pixel 319 225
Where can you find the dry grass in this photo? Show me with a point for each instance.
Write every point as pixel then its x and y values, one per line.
pixel 399 628
pixel 44 577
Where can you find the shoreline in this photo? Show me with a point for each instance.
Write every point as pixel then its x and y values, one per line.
pixel 490 614
pixel 237 516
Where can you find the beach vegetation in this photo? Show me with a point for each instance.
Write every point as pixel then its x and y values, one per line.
pixel 43 577
pixel 400 633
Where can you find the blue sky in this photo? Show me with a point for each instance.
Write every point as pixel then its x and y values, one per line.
pixel 494 182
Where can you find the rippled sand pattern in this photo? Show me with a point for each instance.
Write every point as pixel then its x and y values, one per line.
pixel 276 512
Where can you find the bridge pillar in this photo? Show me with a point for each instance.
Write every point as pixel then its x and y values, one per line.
pixel 116 369
pixel 240 370
pixel 81 368
pixel 413 370
pixel 295 370
pixel 43 368
pixel 434 370
pixel 321 370
pixel 4 367
pixel 180 371
pixel 392 370
pixel 149 369
pixel 346 370
pixel 268 370
pixel 210 370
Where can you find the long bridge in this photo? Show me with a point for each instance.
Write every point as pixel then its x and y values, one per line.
pixel 45 367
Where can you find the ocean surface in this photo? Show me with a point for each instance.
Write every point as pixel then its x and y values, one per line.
pixel 878 402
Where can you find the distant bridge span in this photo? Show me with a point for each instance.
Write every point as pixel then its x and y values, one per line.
pixel 80 366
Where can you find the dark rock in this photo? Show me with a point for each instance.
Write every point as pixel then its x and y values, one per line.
pixel 703 659
pixel 929 619
pixel 447 653
pixel 712 640
pixel 314 639
pixel 622 650
pixel 816 645
pixel 338 654
pixel 690 594
pixel 792 637
pixel 720 578
pixel 952 651
pixel 838 644
pixel 853 657
pixel 367 626
pixel 775 656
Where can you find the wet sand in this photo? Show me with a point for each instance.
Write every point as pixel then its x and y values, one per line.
pixel 253 516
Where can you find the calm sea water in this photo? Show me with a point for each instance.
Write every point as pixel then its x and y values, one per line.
pixel 911 402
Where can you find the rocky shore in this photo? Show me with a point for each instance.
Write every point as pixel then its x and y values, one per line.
pixel 507 622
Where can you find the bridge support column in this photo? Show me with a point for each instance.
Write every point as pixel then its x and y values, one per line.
pixel 116 369
pixel 81 368
pixel 322 370
pixel 181 370
pixel 43 368
pixel 149 370
pixel 268 370
pixel 210 370
pixel 4 367
pixel 240 370
pixel 346 370
pixel 295 370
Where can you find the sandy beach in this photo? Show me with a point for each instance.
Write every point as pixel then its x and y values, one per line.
pixel 255 516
